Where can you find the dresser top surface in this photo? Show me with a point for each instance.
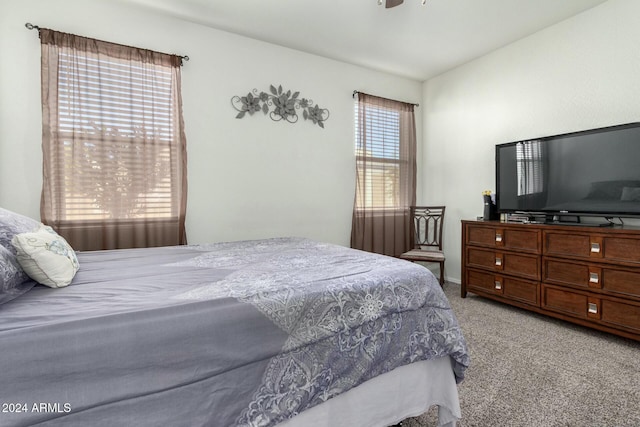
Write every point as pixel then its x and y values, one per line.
pixel 577 228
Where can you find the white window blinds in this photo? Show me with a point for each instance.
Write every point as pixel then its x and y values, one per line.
pixel 378 156
pixel 116 132
pixel 529 157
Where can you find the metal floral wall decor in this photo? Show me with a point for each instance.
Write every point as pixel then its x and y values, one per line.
pixel 280 105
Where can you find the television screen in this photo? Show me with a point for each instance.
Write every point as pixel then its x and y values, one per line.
pixel 594 172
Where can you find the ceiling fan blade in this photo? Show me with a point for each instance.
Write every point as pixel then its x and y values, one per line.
pixel 393 3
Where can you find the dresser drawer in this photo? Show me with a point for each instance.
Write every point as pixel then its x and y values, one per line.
pixel 622 249
pixel 621 314
pixel 623 282
pixel 572 303
pixel 562 244
pixel 504 238
pixel 520 265
pixel 612 312
pixel 570 273
pixel 592 246
pixel 515 289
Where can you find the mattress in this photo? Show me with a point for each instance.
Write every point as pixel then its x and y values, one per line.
pixel 231 334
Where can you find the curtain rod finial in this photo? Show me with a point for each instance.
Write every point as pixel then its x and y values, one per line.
pixel 30 26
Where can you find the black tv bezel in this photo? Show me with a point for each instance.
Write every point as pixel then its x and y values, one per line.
pixel 547 212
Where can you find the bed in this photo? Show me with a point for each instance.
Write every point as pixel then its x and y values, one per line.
pixel 288 332
pixel 617 196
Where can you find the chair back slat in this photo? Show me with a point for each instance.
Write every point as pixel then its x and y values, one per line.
pixel 428 222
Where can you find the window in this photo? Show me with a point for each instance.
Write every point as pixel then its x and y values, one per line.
pixel 385 149
pixel 114 146
pixel 529 158
pixel 378 157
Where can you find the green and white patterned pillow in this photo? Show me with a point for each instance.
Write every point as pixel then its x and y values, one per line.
pixel 46 257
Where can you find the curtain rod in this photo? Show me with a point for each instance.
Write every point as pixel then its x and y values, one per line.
pixel 30 26
pixel 389 99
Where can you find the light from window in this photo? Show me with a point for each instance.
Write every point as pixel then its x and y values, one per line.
pixel 378 160
pixel 116 133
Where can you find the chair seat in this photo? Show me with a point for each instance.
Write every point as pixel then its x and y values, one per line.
pixel 423 255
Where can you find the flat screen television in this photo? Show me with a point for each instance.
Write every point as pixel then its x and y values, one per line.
pixel 589 173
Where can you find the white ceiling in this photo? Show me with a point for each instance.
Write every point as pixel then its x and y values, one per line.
pixel 409 40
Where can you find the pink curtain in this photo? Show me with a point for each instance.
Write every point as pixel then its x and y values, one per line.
pixel 385 175
pixel 113 141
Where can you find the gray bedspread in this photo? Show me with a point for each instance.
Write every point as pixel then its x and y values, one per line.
pixel 231 334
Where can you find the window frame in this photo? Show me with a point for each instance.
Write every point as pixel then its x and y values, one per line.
pixel 385 120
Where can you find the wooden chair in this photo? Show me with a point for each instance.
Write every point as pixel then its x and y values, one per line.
pixel 427 245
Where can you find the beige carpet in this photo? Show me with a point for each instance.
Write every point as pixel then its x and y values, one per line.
pixel 531 370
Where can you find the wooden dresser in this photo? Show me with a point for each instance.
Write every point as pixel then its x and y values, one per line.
pixel 586 275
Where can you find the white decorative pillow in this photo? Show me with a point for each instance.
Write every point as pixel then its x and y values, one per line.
pixel 46 257
pixel 630 194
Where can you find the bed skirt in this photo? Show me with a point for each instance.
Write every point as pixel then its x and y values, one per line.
pixel 407 391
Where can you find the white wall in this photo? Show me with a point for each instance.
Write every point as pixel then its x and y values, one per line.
pixel 580 74
pixel 248 178
pixel 255 178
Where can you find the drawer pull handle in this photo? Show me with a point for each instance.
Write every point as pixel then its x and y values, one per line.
pixel 593 278
pixel 593 308
pixel 498 237
pixel 498 261
pixel 498 285
pixel 595 248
